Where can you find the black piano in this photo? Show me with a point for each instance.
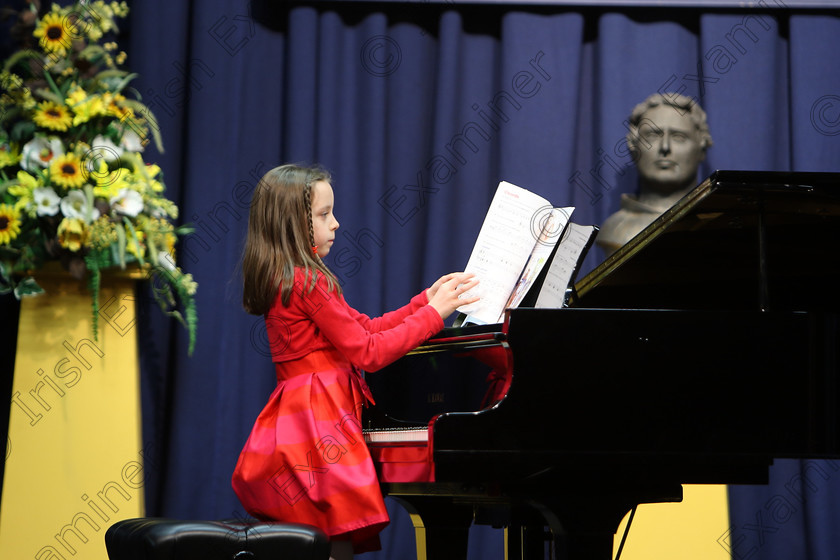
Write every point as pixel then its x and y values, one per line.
pixel 698 353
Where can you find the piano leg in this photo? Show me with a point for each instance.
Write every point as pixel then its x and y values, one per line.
pixel 583 546
pixel 525 530
pixel 441 528
pixel 529 543
pixel 525 542
pixel 583 527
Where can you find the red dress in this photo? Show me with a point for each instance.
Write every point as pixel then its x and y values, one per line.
pixel 305 460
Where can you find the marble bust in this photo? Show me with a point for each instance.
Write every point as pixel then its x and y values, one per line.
pixel 668 137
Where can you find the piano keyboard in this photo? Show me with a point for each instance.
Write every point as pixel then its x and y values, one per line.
pixel 393 435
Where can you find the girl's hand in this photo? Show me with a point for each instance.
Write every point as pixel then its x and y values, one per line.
pixel 431 291
pixel 446 291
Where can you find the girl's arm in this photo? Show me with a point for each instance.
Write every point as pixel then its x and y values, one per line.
pixel 369 349
pixel 392 318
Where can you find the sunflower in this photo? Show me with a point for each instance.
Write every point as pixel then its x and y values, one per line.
pixel 9 223
pixel 115 105
pixel 55 37
pixel 53 116
pixel 67 171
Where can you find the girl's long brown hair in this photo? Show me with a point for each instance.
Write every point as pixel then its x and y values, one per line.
pixel 280 237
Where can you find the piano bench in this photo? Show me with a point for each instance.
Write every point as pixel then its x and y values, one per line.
pixel 169 539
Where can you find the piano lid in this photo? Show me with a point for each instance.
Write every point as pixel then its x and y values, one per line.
pixel 740 240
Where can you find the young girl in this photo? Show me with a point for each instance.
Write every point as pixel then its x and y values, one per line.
pixel 305 460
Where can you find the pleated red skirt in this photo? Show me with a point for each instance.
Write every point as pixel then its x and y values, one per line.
pixel 306 461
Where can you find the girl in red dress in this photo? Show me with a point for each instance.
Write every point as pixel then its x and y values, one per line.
pixel 305 460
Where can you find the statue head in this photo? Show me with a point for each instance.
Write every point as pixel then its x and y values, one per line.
pixel 668 137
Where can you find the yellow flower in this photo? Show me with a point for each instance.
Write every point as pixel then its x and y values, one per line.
pixel 67 171
pixel 72 233
pixel 28 180
pixel 24 189
pixel 160 233
pixel 115 107
pixel 75 96
pixel 87 109
pixel 10 81
pixel 54 31
pixel 9 224
pixel 120 9
pixel 8 155
pixel 190 285
pixel 149 172
pixel 103 233
pixel 108 184
pixel 15 92
pixel 53 116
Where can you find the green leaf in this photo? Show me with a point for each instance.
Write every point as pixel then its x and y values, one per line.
pixel 54 87
pixel 50 96
pixel 23 131
pixel 5 277
pixel 111 73
pixel 131 229
pixel 20 56
pixel 10 114
pixel 91 52
pixel 152 250
pixel 121 247
pixel 89 203
pixel 28 287
pixel 94 285
pixel 119 87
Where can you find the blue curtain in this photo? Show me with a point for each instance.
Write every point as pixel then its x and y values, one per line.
pixel 419 110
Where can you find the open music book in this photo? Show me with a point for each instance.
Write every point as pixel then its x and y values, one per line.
pixel 521 234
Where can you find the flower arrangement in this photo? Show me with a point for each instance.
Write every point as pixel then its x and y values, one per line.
pixel 74 186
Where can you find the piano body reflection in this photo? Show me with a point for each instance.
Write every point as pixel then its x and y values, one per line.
pixel 697 353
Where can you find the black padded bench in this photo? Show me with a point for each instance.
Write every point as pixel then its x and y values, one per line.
pixel 170 539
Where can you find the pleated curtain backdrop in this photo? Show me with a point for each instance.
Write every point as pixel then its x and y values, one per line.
pixel 419 110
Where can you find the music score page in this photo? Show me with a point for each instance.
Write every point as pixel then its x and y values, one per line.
pixel 572 246
pixel 508 236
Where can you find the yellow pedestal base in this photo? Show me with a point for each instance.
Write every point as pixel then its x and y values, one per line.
pixel 688 530
pixel 74 457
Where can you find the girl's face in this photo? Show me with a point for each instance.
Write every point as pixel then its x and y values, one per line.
pixel 324 223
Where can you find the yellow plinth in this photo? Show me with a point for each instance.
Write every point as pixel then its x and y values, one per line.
pixel 688 530
pixel 74 457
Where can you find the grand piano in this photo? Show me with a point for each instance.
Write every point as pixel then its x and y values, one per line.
pixel 699 352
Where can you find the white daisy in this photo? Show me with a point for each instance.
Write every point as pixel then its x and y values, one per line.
pixel 127 202
pixel 40 151
pixel 75 205
pixel 46 201
pixel 104 148
pixel 131 141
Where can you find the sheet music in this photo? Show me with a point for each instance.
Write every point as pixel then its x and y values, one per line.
pixel 563 265
pixel 553 227
pixel 504 244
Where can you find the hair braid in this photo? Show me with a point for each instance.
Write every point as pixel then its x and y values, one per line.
pixel 307 203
